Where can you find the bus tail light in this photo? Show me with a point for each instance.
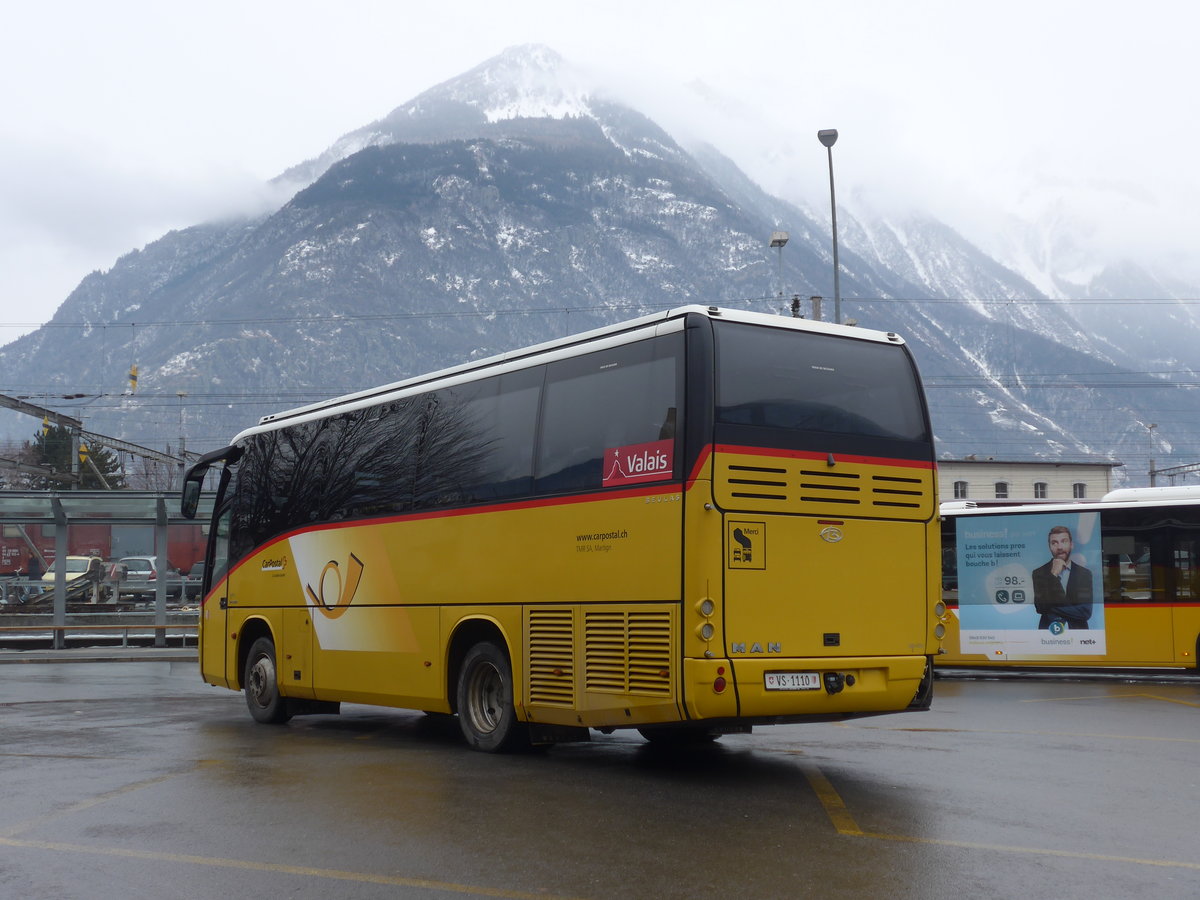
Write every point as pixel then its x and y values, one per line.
pixel 719 683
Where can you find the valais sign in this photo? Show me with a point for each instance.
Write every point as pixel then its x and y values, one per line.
pixel 638 462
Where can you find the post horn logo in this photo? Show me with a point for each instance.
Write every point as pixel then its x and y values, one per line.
pixel 831 534
pixel 341 591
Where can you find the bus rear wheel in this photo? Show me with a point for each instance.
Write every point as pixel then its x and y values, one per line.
pixel 261 681
pixel 485 701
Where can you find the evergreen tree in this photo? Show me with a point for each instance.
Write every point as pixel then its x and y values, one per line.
pixel 52 447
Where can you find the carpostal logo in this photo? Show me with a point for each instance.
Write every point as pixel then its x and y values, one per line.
pixel 635 463
pixel 275 565
pixel 335 588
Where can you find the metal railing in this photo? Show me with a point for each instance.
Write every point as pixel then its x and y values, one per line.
pixel 181 631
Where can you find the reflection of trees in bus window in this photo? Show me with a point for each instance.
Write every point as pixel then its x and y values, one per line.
pixel 505 411
pixel 414 453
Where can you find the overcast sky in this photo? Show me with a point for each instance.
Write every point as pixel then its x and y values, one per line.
pixel 122 120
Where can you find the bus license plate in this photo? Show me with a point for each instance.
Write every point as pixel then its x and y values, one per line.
pixel 792 681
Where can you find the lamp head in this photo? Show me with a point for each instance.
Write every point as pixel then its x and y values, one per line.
pixel 827 136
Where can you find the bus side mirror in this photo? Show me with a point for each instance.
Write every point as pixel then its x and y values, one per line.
pixel 190 501
pixel 193 480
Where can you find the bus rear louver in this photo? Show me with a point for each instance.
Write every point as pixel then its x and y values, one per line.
pixel 628 652
pixel 777 488
pixel 625 652
pixel 551 657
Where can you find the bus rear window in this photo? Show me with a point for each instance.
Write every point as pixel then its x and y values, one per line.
pixel 799 381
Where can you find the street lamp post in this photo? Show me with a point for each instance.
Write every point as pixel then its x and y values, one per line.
pixel 778 239
pixel 828 137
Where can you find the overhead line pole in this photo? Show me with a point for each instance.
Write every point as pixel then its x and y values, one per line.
pixel 110 443
pixel 40 412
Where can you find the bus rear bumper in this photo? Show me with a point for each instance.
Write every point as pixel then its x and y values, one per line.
pixel 765 688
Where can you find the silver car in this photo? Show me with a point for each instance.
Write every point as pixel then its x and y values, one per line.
pixel 137 577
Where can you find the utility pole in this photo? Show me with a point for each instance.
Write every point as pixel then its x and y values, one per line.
pixel 182 458
pixel 1151 428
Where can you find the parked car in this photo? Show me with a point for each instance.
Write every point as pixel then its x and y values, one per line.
pixel 84 577
pixel 138 576
pixel 77 567
pixel 193 582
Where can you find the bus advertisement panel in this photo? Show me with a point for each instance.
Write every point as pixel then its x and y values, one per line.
pixel 1027 586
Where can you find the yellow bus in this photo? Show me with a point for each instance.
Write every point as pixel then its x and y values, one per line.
pixel 1085 584
pixel 690 524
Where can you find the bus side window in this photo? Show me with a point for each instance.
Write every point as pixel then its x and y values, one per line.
pixel 620 397
pixel 219 564
pixel 1186 564
pixel 667 431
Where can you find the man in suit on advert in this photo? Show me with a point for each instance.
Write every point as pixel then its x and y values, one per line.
pixel 1062 588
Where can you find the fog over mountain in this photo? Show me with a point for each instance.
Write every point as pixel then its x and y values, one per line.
pixel 517 203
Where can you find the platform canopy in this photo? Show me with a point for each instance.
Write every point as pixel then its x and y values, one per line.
pixel 96 508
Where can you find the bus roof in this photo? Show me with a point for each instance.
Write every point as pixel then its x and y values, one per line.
pixel 1155 494
pixel 1125 498
pixel 375 394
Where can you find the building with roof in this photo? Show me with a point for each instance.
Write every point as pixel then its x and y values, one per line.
pixel 991 480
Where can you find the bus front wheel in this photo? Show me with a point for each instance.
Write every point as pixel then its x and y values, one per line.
pixel 261 682
pixel 485 701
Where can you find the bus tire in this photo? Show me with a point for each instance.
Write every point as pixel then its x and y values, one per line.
pixel 486 715
pixel 261 682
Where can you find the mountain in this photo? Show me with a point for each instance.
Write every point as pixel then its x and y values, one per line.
pixel 517 203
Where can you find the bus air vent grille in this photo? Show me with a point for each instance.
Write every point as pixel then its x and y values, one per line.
pixel 896 492
pixel 552 657
pixel 766 483
pixel 824 486
pixel 628 652
pixel 836 486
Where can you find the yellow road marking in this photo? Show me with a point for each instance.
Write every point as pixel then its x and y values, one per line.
pixel 835 806
pixel 845 824
pixel 7 838
pixel 1010 731
pixel 83 804
pixel 1137 696
pixel 278 869
pixel 1036 851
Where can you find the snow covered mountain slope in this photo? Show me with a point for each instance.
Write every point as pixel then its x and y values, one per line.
pixel 514 204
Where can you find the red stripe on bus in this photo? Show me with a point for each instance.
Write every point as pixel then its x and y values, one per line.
pixel 1117 604
pixel 671 487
